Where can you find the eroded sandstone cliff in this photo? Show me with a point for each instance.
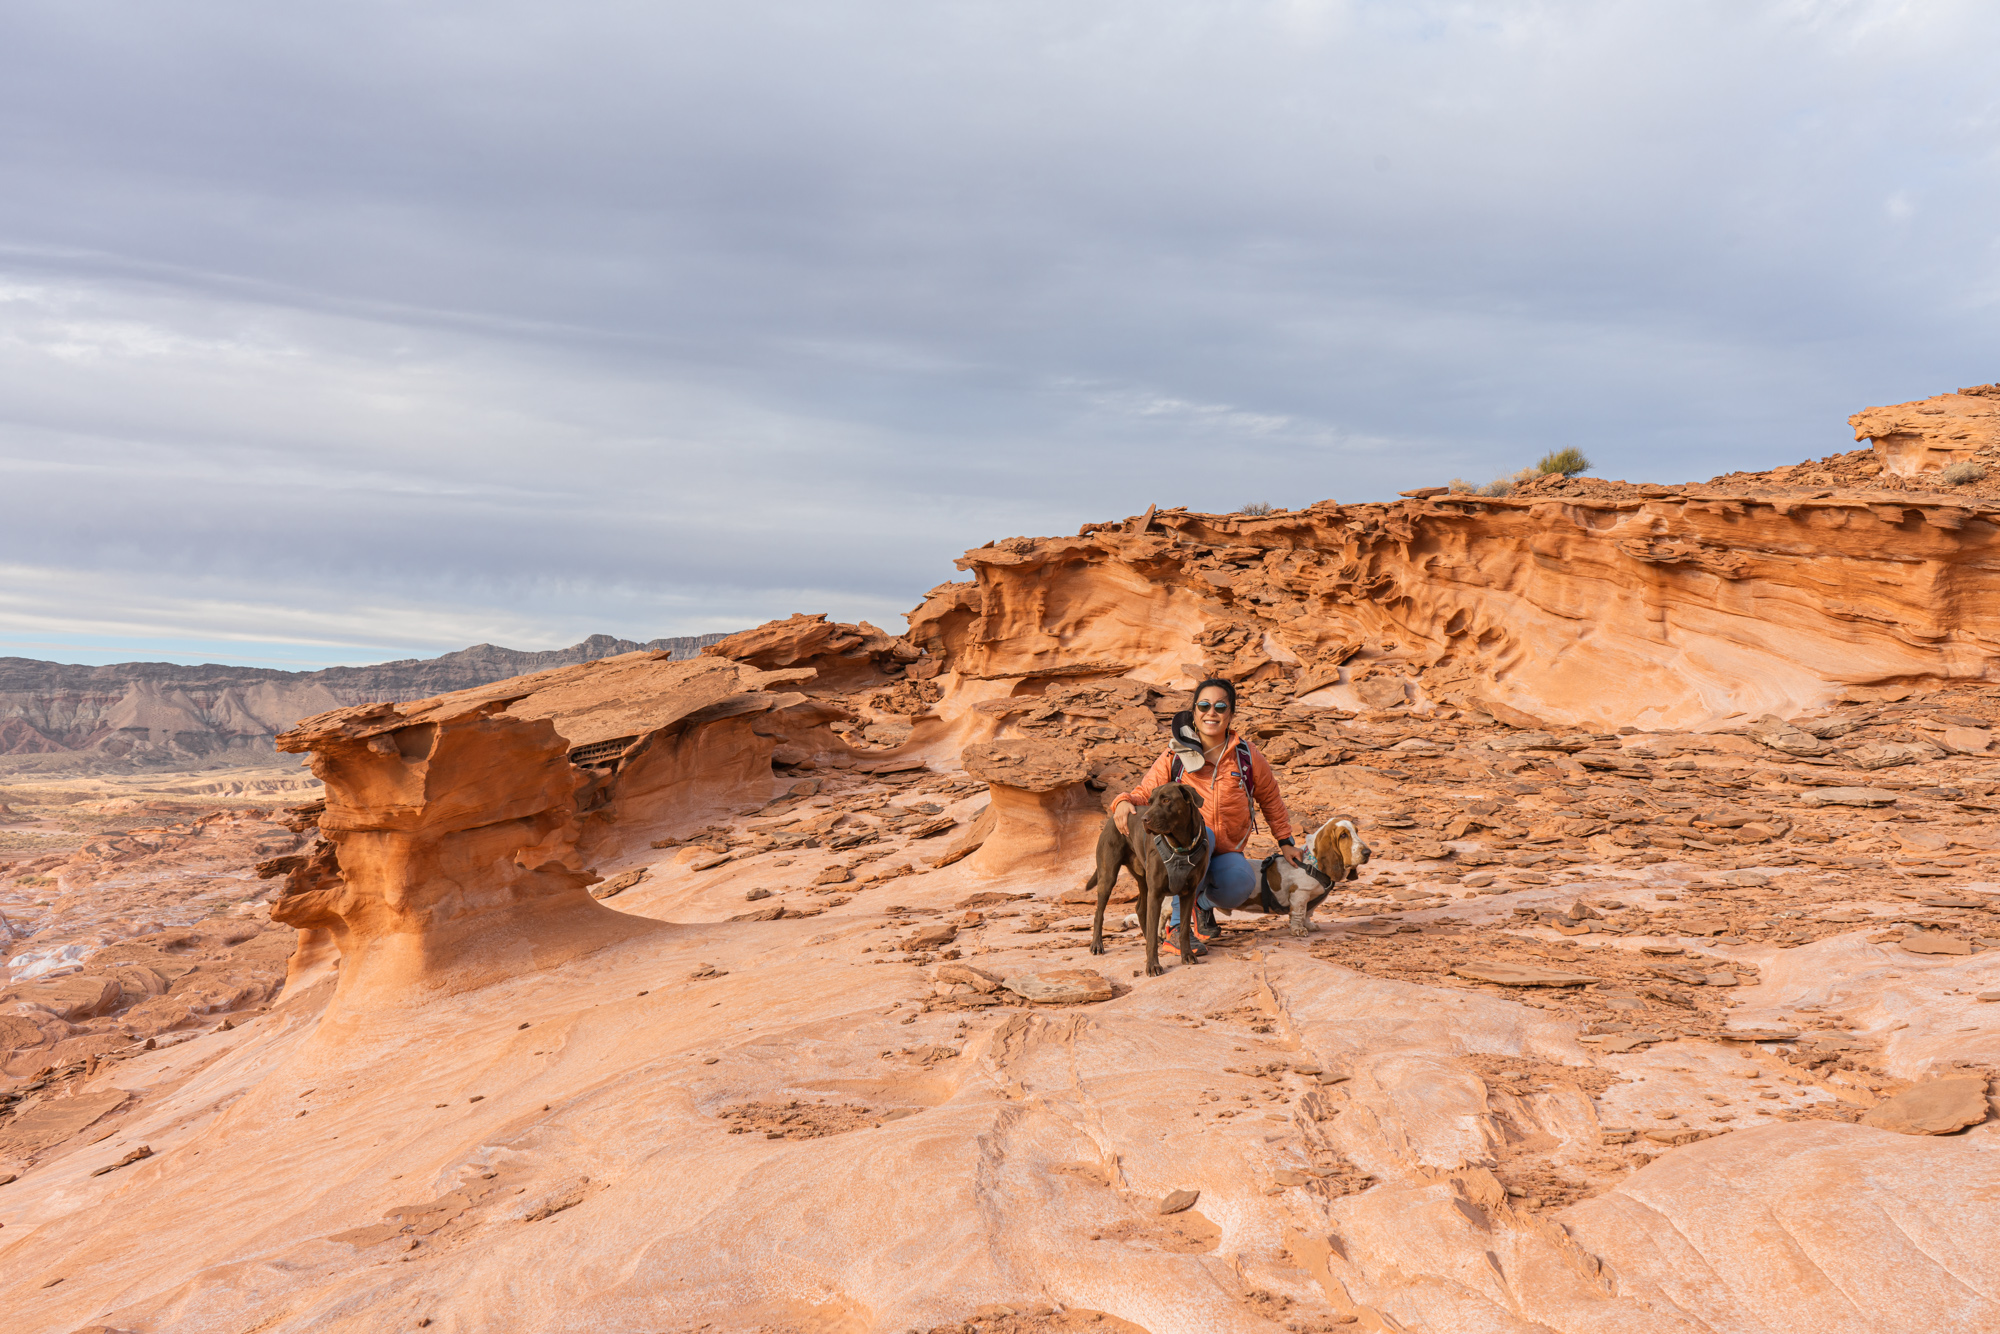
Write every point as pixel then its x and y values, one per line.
pixel 1651 608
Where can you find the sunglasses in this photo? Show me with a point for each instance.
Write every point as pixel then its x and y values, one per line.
pixel 1204 705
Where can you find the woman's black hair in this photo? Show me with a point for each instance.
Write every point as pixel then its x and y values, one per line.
pixel 1228 688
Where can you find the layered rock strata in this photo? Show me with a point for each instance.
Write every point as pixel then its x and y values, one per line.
pixel 1649 608
pixel 1928 436
pixel 459 832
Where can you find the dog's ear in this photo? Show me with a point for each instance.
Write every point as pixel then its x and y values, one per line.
pixel 1193 796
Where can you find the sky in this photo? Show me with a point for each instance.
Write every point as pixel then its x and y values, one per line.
pixel 334 334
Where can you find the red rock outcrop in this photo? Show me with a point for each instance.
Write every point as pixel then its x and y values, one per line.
pixel 1044 813
pixel 462 829
pixel 1926 436
pixel 1650 607
pixel 846 657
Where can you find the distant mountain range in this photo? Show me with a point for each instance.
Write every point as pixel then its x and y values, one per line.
pixel 56 715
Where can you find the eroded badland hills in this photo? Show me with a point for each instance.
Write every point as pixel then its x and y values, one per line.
pixel 751 990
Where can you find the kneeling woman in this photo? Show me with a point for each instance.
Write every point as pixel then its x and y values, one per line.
pixel 1228 772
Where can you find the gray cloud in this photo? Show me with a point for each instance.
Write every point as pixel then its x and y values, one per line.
pixel 391 327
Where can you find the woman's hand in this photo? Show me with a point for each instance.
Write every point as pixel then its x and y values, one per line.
pixel 1292 854
pixel 1121 815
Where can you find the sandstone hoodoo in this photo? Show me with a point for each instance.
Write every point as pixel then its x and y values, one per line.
pixel 752 991
pixel 1043 809
pixel 459 832
pixel 1911 439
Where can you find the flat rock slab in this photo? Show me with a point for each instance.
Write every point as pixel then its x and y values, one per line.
pixel 1521 974
pixel 1179 1201
pixel 1936 1107
pixel 1931 942
pixel 1848 796
pixel 49 1123
pixel 1065 986
pixel 1773 1034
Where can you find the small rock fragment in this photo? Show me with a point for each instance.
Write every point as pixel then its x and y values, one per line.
pixel 977 978
pixel 1179 1200
pixel 618 884
pixel 143 1151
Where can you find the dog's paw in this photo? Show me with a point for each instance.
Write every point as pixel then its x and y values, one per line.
pixel 1129 921
pixel 1301 932
pixel 1097 947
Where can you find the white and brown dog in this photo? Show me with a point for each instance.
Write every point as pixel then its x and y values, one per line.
pixel 1334 853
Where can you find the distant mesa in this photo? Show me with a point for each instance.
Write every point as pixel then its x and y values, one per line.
pixel 63 716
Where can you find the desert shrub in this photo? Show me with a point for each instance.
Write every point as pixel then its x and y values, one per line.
pixel 1504 486
pixel 1569 462
pixel 1257 507
pixel 1961 473
pixel 1460 484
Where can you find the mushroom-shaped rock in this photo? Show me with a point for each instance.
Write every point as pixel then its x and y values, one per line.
pixel 460 830
pixel 847 657
pixel 1044 814
pixel 1912 438
pixel 456 832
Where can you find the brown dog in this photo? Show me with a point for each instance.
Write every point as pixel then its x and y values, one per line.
pixel 1168 855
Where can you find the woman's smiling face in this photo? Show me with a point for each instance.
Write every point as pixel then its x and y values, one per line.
pixel 1212 721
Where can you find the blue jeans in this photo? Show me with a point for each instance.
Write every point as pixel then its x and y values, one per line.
pixel 1231 882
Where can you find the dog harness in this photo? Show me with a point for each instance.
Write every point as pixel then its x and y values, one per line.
pixel 1179 861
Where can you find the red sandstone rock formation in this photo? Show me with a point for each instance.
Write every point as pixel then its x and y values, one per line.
pixel 1651 608
pixel 462 829
pixel 1913 438
pixel 1044 813
pixel 846 657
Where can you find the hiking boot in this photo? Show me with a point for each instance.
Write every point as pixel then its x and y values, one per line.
pixel 1172 945
pixel 1205 927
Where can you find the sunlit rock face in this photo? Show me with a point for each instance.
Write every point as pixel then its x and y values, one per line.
pixel 1910 439
pixel 460 832
pixel 1578 602
pixel 456 841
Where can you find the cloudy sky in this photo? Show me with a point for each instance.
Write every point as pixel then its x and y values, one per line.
pixel 340 333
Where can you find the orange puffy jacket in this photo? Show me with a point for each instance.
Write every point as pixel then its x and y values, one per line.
pixel 1225 807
